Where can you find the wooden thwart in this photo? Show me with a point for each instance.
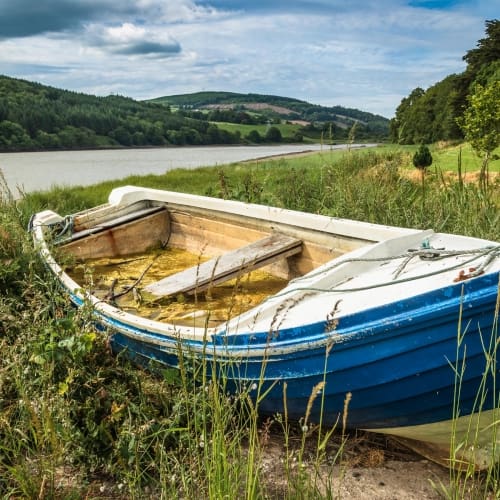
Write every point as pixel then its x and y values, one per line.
pixel 227 266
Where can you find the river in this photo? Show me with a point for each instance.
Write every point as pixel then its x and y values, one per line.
pixel 25 172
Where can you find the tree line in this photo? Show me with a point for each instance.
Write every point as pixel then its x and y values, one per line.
pixel 236 115
pixel 34 116
pixel 437 114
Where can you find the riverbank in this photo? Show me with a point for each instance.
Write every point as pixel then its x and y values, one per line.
pixel 27 172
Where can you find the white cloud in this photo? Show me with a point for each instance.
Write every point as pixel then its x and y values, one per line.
pixel 130 39
pixel 127 32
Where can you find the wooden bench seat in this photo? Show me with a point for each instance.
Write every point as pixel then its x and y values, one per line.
pixel 227 266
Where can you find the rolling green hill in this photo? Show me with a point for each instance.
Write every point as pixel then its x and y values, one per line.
pixel 283 108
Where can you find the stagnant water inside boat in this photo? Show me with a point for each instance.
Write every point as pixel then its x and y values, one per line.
pixel 119 281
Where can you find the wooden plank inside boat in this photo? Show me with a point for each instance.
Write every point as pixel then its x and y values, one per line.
pixel 205 235
pixel 227 266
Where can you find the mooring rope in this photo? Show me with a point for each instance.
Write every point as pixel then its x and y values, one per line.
pixel 67 227
pixel 491 253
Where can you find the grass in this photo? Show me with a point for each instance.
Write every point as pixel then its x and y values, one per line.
pixel 286 129
pixel 445 157
pixel 464 482
pixel 76 422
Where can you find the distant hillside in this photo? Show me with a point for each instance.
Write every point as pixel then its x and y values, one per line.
pixel 284 108
pixel 38 117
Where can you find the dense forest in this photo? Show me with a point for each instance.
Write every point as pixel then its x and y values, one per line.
pixel 428 116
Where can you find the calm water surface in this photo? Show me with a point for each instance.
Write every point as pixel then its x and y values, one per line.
pixel 39 171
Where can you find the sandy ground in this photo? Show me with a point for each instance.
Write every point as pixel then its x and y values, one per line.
pixel 369 466
pixel 392 480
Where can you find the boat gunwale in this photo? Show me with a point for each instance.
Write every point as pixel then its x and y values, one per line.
pixel 348 228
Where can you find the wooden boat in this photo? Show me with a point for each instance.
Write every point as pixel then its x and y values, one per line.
pixel 387 329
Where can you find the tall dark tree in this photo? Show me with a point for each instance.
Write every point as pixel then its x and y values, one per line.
pixel 432 115
pixel 273 135
pixel 487 50
pixel 401 123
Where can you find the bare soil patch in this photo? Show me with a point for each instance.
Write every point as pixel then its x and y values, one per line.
pixel 257 106
pixel 365 466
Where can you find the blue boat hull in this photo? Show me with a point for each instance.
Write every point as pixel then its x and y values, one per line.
pixel 408 363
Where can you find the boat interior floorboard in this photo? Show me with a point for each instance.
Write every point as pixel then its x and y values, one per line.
pixel 227 266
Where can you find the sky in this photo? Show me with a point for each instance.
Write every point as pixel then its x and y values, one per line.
pixel 364 54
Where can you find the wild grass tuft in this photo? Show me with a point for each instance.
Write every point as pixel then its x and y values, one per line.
pixel 475 439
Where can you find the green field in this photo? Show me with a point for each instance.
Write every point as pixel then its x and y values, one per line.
pixel 286 129
pixel 445 157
